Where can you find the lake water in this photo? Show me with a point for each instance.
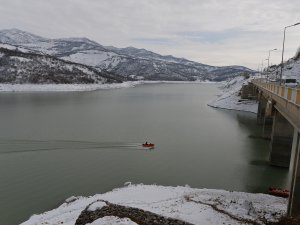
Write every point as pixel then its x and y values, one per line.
pixel 55 145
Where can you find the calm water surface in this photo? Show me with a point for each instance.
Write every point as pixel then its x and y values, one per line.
pixel 55 145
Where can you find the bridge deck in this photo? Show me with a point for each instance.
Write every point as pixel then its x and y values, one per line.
pixel 287 100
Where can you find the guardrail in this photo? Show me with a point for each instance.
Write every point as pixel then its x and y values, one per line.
pixel 290 94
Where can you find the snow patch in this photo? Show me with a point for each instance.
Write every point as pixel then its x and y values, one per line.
pixel 21 59
pixel 13 47
pixel 229 98
pixel 96 205
pixel 112 220
pixel 89 57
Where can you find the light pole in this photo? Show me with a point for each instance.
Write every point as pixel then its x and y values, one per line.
pixel 258 70
pixel 269 61
pixel 281 68
pixel 261 71
pixel 262 67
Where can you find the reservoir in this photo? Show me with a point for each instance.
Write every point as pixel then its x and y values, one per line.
pixel 55 145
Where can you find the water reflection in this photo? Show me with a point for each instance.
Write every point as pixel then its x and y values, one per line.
pixel 14 146
pixel 257 155
pixel 259 162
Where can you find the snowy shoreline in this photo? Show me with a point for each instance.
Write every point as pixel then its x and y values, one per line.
pixel 84 87
pixel 62 87
pixel 196 206
pixel 230 99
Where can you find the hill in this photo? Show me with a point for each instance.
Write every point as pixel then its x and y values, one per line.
pixel 130 63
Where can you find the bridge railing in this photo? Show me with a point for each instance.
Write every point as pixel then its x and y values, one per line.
pixel 290 94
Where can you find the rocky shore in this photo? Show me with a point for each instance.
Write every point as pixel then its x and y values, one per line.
pixel 136 215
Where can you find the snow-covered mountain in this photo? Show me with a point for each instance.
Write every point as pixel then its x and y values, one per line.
pixel 19 65
pixel 130 63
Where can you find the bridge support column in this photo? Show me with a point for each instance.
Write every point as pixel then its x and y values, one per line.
pixel 262 104
pixel 264 116
pixel 268 121
pixel 294 199
pixel 281 141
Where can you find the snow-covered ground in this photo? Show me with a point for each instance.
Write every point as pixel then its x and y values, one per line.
pixel 291 69
pixel 229 97
pixel 112 220
pixel 90 57
pixel 196 206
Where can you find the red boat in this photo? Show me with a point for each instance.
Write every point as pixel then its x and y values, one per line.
pixel 148 145
pixel 279 192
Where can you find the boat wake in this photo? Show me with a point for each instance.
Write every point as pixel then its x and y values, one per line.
pixel 13 146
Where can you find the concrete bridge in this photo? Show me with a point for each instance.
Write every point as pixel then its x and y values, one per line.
pixel 279 115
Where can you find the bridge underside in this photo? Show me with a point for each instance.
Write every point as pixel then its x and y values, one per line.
pixel 283 117
pixel 281 141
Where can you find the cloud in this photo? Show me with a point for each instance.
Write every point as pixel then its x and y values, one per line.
pixel 221 36
pixel 155 41
pixel 215 32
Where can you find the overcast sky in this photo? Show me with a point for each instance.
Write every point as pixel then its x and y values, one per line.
pixel 215 32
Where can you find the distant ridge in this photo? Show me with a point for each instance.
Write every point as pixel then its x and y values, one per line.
pixel 129 63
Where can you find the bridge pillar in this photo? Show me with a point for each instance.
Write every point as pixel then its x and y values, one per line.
pixel 281 141
pixel 268 120
pixel 262 104
pixel 294 199
pixel 265 116
pixel 267 127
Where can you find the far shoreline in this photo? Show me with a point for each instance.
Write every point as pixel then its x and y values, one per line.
pixel 36 88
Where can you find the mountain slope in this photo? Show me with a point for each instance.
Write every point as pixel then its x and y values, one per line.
pixel 17 66
pixel 291 69
pixel 131 63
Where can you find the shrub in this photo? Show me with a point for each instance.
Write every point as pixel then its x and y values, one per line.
pixel 297 55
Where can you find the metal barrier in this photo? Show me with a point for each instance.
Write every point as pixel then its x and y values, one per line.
pixel 290 94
